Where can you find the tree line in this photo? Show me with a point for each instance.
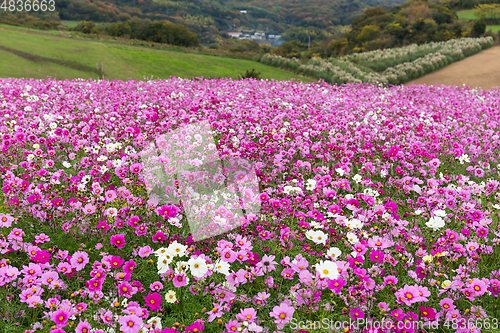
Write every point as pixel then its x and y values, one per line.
pixel 156 32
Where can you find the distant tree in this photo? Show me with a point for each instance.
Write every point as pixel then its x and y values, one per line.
pixel 480 27
pixel 368 33
pixel 84 26
pixel 395 29
pixel 487 11
pixel 443 35
pixel 335 46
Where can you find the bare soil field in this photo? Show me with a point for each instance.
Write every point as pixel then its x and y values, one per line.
pixel 480 70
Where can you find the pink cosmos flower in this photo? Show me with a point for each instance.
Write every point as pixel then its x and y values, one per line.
pixel 110 195
pixel 34 301
pixel 145 251
pixel 136 167
pixel 9 274
pixel 407 295
pixel 180 280
pixel 283 314
pixel 107 317
pixel 156 286
pixel 232 326
pixel 247 314
pixel 83 327
pixel 103 226
pixel 79 260
pixel 89 209
pixel 130 324
pixel 478 286
pixel 32 270
pixel 390 280
pixel 118 240
pixel 6 220
pixel 64 267
pixel 125 289
pixel 216 312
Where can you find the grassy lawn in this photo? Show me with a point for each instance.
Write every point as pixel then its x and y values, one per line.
pixel 69 23
pixel 120 61
pixel 466 14
pixel 493 28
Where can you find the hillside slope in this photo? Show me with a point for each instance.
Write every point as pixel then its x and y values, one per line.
pixel 38 55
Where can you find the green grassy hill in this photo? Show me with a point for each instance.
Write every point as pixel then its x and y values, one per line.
pixel 31 54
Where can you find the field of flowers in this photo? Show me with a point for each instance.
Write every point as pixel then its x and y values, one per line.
pixel 375 203
pixel 394 66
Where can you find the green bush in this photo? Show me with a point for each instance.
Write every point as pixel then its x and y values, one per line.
pixel 480 27
pixel 252 74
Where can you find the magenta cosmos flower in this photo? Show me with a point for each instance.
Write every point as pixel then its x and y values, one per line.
pixel 153 301
pixel 283 314
pixel 196 327
pixel 60 318
pixel 118 240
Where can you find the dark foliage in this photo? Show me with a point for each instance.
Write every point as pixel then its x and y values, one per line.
pixel 251 74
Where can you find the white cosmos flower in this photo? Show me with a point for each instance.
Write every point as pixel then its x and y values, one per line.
pixel 198 267
pixel 287 189
pixel 222 267
pixel 175 222
pixel 161 251
pixel 354 224
pixel 164 262
pixel 357 178
pixel 440 212
pixel 334 253
pixel 317 236
pixel 155 322
pixel 352 238
pixel 435 223
pixel 340 171
pixel 311 184
pixel 177 249
pixel 327 269
pixel 66 164
pixel 111 211
pixel 170 296
pixel 315 225
pixel 220 220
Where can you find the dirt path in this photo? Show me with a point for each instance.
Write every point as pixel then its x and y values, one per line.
pixel 480 70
